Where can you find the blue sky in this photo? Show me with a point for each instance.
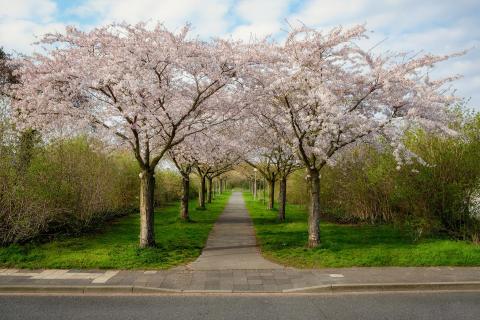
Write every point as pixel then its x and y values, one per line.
pixel 440 26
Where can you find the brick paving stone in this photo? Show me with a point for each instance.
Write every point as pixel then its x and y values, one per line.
pixel 240 281
pixel 269 281
pixel 240 287
pixel 271 288
pixel 256 287
pixel 281 282
pixel 212 285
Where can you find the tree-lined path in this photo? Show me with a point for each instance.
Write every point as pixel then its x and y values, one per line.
pixel 231 262
pixel 232 244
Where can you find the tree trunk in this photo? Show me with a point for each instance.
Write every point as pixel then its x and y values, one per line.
pixel 147 189
pixel 271 201
pixel 282 201
pixel 221 185
pixel 263 189
pixel 210 190
pixel 314 213
pixel 184 204
pixel 201 193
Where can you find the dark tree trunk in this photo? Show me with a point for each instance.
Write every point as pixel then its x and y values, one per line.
pixel 314 213
pixel 185 193
pixel 210 190
pixel 201 193
pixel 263 189
pixel 271 200
pixel 282 201
pixel 147 189
pixel 221 185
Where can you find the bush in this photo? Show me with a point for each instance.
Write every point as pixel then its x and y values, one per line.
pixel 67 186
pixel 168 186
pixel 442 197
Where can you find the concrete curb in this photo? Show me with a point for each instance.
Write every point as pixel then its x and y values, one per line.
pixel 331 288
pixel 366 287
pixel 106 290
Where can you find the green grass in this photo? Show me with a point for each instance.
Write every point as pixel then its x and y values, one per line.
pixel 116 247
pixel 351 245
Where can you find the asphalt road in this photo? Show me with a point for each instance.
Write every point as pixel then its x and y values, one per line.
pixel 440 305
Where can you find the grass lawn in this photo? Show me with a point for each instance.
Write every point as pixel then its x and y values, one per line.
pixel 351 245
pixel 117 246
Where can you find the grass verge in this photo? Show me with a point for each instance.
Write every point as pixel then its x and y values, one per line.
pixel 351 245
pixel 116 247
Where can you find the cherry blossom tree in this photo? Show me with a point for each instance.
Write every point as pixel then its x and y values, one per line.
pixel 271 153
pixel 326 93
pixel 274 163
pixel 132 85
pixel 217 153
pixel 184 161
pixel 209 154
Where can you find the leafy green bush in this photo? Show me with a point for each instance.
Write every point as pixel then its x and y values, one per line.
pixel 442 197
pixel 168 186
pixel 67 186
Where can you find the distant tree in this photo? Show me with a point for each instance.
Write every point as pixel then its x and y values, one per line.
pixel 7 69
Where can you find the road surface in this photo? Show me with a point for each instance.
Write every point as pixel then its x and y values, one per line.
pixel 412 305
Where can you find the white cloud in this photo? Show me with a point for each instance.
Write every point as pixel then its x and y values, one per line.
pixel 26 9
pixel 320 12
pixel 21 21
pixel 259 18
pixel 18 35
pixel 209 17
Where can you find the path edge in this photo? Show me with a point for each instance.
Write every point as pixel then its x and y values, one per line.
pixel 321 289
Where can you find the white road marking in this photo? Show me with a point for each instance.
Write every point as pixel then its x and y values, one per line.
pixel 150 272
pixel 58 274
pixel 336 275
pixel 105 277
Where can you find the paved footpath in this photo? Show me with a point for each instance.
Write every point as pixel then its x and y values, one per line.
pixel 232 244
pixel 231 262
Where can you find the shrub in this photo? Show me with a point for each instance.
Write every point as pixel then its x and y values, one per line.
pixel 67 186
pixel 168 186
pixel 441 197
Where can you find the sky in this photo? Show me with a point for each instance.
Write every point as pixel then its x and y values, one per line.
pixel 424 26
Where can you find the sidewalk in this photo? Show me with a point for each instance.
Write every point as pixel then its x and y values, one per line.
pixel 231 244
pixel 231 262
pixel 264 280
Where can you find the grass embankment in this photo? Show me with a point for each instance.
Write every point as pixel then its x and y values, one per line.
pixel 116 246
pixel 351 245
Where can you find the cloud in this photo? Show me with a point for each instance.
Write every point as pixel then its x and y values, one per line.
pixel 18 35
pixel 209 17
pixel 409 25
pixel 22 21
pixel 27 9
pixel 259 18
